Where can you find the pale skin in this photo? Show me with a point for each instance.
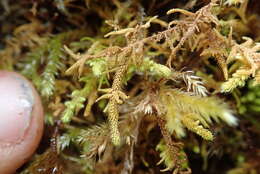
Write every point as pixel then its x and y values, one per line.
pixel 21 121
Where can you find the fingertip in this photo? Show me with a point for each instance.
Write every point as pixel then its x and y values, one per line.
pixel 21 121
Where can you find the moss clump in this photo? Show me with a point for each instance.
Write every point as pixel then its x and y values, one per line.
pixel 109 71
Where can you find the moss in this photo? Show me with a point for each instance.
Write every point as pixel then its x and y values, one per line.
pixel 104 68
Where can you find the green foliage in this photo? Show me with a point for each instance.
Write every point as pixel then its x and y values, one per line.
pixel 248 54
pixel 32 64
pixel 51 54
pixel 154 69
pixel 78 98
pixel 98 66
pixel 250 100
pixel 103 67
pixel 42 65
pixel 193 112
pixel 51 69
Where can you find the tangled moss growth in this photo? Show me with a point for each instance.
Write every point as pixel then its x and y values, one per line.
pixel 128 85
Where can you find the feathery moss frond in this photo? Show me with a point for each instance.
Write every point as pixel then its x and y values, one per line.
pixel 49 56
pixel 248 54
pixel 78 98
pixel 32 64
pixel 202 109
pixel 190 122
pixel 53 65
pixel 168 159
pixel 194 84
pixel 93 139
pixel 238 79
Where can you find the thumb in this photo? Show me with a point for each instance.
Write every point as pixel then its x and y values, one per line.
pixel 21 121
